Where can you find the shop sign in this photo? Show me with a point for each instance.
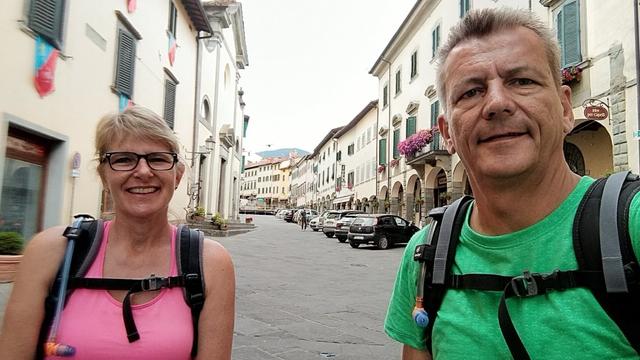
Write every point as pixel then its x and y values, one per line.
pixel 595 109
pixel 596 112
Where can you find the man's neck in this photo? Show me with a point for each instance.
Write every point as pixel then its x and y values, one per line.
pixel 502 207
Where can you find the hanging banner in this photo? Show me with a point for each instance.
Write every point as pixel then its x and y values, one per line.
pixel 131 6
pixel 45 66
pixel 124 103
pixel 172 48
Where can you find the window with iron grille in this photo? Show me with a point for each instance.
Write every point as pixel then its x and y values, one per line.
pixel 46 18
pixel 169 102
pixel 125 63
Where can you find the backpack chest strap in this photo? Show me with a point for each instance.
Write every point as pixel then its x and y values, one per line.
pixel 132 286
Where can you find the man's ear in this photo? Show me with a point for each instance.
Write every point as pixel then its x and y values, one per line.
pixel 443 127
pixel 568 121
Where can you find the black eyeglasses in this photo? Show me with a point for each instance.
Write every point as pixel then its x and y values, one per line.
pixel 126 161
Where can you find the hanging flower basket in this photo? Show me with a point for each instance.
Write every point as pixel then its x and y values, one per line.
pixel 394 162
pixel 414 143
pixel 381 168
pixel 571 74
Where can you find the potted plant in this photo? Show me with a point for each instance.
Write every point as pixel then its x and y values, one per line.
pixel 218 220
pixel 11 245
pixel 381 168
pixel 571 74
pixel 394 162
pixel 414 143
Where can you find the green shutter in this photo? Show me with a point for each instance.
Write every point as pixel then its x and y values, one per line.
pixel 435 111
pixel 125 63
pixel 396 141
pixel 46 18
pixel 382 151
pixel 568 30
pixel 435 41
pixel 411 126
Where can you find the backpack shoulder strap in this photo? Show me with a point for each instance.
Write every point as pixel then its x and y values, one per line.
pixel 605 246
pixel 189 258
pixel 439 255
pixel 84 252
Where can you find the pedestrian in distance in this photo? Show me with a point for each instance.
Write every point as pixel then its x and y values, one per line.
pixel 506 114
pixel 303 219
pixel 139 165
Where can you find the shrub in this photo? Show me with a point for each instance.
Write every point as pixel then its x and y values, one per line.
pixel 11 243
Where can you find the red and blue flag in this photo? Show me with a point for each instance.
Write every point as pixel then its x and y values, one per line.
pixel 172 48
pixel 46 56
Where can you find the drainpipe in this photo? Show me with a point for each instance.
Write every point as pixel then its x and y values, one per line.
pixel 389 143
pixel 636 27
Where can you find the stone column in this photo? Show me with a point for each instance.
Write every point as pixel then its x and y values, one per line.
pixel 617 108
pixel 456 190
pixel 409 207
pixel 381 208
pixel 393 209
pixel 429 202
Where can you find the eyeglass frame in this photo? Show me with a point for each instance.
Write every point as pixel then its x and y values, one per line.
pixel 107 157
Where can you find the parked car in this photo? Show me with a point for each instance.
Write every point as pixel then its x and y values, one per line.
pixel 310 214
pixel 321 218
pixel 314 223
pixel 342 226
pixel 329 223
pixel 381 230
pixel 288 215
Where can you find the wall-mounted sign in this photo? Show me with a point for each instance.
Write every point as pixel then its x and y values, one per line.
pixel 75 165
pixel 595 110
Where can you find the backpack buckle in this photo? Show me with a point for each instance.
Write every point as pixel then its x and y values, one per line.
pixel 525 285
pixel 152 283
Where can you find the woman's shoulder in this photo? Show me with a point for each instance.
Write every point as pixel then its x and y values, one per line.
pixel 213 252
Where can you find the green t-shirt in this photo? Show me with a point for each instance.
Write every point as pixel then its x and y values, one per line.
pixel 558 325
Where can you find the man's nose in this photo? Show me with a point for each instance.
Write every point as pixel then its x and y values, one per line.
pixel 498 101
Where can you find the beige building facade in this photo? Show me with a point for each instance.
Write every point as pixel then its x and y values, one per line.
pixel 110 55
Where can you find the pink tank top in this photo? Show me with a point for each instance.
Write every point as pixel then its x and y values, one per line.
pixel 92 321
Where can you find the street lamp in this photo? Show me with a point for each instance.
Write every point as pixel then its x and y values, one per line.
pixel 209 145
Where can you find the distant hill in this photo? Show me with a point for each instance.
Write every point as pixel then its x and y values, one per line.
pixel 281 152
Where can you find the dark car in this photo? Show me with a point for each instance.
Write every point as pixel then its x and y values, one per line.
pixel 381 230
pixel 342 226
pixel 332 217
pixel 288 215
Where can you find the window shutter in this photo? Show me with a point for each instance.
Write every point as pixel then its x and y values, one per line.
pixel 46 18
pixel 435 41
pixel 382 151
pixel 125 64
pixel 435 111
pixel 569 29
pixel 411 126
pixel 396 140
pixel 169 102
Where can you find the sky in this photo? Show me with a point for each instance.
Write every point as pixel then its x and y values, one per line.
pixel 309 65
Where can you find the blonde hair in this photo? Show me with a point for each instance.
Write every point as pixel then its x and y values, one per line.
pixel 137 122
pixel 480 23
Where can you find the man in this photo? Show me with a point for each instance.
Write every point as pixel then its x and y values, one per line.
pixel 303 219
pixel 506 115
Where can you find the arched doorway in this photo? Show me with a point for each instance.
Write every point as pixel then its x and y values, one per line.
pixel 574 158
pixel 440 195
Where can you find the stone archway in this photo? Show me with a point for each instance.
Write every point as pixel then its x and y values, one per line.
pixel 397 198
pixel 589 143
pixel 435 184
pixel 459 182
pixel 383 200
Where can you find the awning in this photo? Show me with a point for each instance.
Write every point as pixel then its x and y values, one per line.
pixel 342 199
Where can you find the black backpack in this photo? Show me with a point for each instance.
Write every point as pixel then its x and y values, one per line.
pixel 607 264
pixel 87 243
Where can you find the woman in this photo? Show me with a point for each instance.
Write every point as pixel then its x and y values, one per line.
pixel 139 167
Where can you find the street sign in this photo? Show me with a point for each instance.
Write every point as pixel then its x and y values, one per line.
pixel 636 134
pixel 596 112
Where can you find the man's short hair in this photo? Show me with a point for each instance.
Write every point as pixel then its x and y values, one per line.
pixel 480 23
